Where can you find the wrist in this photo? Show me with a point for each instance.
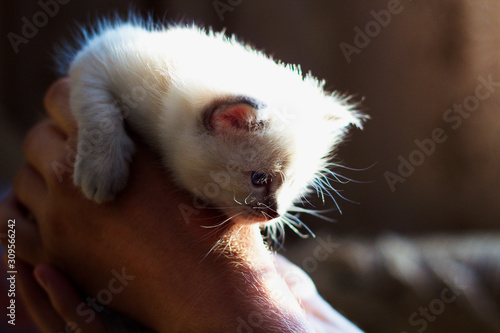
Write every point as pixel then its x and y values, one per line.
pixel 240 291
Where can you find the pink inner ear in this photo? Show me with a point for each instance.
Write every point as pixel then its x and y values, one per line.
pixel 237 116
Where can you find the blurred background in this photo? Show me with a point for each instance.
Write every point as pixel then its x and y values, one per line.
pixel 416 247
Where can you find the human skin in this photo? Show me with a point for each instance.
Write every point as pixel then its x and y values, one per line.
pixel 179 284
pixel 154 234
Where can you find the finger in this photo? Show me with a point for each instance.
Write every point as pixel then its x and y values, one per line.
pixel 30 189
pixel 46 150
pixel 26 236
pixel 57 105
pixel 319 313
pixel 66 301
pixel 36 301
pixel 297 280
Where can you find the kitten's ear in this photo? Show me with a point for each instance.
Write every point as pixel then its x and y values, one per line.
pixel 234 116
pixel 343 113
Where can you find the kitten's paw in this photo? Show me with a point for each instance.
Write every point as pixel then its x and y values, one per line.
pixel 101 173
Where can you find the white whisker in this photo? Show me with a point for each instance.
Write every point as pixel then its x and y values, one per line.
pixel 275 232
pixel 302 196
pixel 336 165
pixel 211 250
pixel 234 198
pixel 337 176
pixel 315 213
pixel 222 223
pixel 266 206
pixel 246 203
pixel 290 223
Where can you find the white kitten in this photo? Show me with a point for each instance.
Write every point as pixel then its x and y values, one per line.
pixel 236 128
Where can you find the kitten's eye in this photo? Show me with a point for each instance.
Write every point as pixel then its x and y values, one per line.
pixel 259 179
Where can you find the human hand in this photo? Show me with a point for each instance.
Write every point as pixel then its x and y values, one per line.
pixel 62 296
pixel 70 229
pixel 171 276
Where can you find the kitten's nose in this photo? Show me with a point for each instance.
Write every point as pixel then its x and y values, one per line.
pixel 272 213
pixel 272 209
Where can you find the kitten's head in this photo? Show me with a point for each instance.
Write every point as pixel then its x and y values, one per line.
pixel 258 157
pixel 265 136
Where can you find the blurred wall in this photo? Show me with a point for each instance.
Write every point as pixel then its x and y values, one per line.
pixel 411 64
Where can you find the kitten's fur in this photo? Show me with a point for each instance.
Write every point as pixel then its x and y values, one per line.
pixel 236 128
